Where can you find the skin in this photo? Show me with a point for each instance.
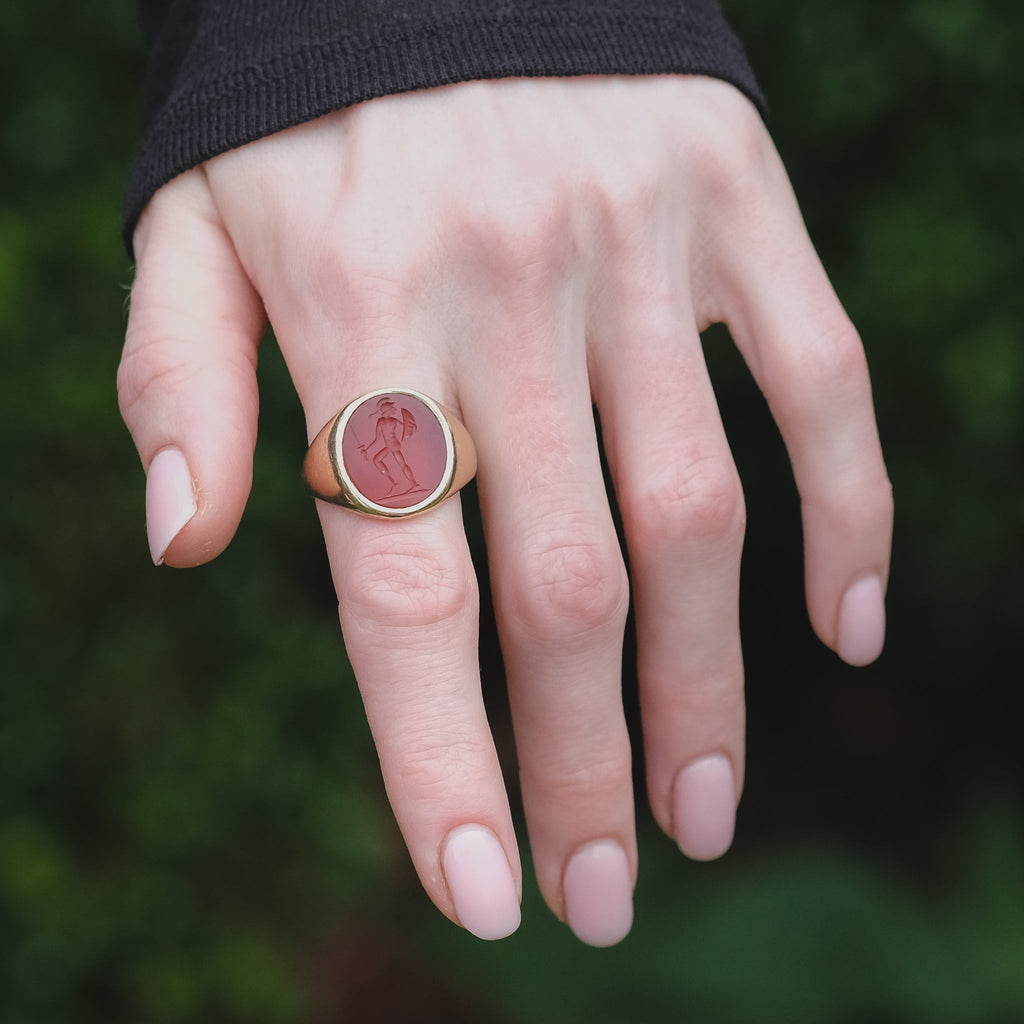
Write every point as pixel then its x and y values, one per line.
pixel 520 250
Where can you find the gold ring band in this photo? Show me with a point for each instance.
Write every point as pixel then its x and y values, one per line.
pixel 393 452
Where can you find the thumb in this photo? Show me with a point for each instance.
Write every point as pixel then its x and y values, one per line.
pixel 187 379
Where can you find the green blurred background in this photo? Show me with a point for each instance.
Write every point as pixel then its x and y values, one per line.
pixel 192 826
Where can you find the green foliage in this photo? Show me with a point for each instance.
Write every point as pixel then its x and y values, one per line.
pixel 821 931
pixel 191 822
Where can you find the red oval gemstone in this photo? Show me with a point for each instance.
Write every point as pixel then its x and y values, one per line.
pixel 394 450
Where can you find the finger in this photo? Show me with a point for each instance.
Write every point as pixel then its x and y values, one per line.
pixel 409 607
pixel 809 361
pixel 683 515
pixel 561 598
pixel 408 600
pixel 187 380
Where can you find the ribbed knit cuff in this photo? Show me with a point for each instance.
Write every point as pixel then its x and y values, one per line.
pixel 217 106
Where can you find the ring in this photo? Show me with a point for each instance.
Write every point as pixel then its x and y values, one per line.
pixel 393 452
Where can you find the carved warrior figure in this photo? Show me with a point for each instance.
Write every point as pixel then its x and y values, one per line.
pixel 391 432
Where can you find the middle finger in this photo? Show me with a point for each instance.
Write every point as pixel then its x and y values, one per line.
pixel 561 597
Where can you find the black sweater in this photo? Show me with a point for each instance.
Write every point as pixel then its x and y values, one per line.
pixel 226 72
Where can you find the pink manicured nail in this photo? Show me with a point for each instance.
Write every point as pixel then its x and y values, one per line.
pixel 170 501
pixel 480 881
pixel 704 807
pixel 599 893
pixel 861 632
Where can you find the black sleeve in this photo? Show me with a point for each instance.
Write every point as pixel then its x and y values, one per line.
pixel 226 72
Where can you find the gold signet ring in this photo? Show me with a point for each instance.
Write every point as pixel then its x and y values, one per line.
pixel 393 452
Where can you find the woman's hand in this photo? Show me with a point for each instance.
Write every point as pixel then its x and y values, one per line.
pixel 520 250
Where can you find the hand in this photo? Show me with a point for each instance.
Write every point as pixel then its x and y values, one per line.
pixel 518 250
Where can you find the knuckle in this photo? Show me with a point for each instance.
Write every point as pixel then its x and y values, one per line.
pixel 810 383
pixel 872 514
pixel 699 501
pixel 861 506
pixel 572 783
pixel 151 364
pixel 436 770
pixel 713 702
pixel 363 276
pixel 168 360
pixel 837 364
pixel 407 587
pixel 567 590
pixel 625 198
pixel 517 239
pixel 733 158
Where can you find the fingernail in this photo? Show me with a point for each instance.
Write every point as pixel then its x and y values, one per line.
pixel 170 500
pixel 599 893
pixel 480 881
pixel 861 632
pixel 704 807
